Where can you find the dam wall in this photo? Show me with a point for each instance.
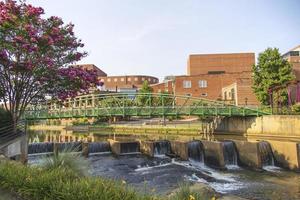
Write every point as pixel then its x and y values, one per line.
pixel 273 127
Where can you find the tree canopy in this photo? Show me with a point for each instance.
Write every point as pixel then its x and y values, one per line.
pixel 36 54
pixel 271 70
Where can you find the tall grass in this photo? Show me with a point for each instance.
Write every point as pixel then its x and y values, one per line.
pixel 67 160
pixel 36 183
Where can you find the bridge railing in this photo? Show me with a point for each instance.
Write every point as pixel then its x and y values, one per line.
pixel 144 111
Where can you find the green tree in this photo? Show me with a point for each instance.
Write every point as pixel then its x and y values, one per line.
pixel 271 70
pixel 142 99
pixel 35 57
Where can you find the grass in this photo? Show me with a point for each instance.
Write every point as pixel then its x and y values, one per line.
pixel 37 183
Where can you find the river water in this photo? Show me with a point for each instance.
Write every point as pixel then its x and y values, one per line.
pixel 161 174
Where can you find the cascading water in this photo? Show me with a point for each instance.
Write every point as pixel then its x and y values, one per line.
pixel 46 147
pixel 196 151
pixel 70 146
pixel 99 147
pixel 230 153
pixel 130 147
pixel 162 147
pixel 266 154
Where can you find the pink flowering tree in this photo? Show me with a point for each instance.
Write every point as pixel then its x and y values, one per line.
pixel 36 54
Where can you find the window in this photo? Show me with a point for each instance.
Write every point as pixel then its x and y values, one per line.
pixel 187 84
pixel 149 79
pixel 294 53
pixel 188 95
pixel 136 79
pixel 232 94
pixel 202 83
pixel 143 78
pixel 216 72
pixel 204 94
pixel 129 79
pixel 115 79
pixel 122 79
pixel 108 80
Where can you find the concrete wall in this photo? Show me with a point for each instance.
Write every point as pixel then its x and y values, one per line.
pixel 213 154
pixel 180 148
pixel 273 126
pixel 248 154
pixel 147 147
pixel 286 154
pixel 115 147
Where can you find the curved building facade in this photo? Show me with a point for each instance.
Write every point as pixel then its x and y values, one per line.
pixel 125 83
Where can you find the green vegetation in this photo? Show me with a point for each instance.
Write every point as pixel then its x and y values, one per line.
pixel 66 161
pixel 271 70
pixel 36 183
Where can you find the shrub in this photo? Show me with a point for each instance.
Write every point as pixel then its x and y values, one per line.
pixel 37 183
pixel 296 108
pixel 66 161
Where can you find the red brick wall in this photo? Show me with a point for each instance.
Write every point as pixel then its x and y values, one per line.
pixel 163 87
pixel 230 63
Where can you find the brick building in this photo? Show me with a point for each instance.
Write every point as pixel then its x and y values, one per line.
pixel 126 83
pixel 293 56
pixel 226 77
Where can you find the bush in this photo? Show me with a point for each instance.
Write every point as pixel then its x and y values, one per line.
pixel 67 161
pixel 296 108
pixel 37 183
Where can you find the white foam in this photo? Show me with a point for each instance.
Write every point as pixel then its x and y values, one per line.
pixel 151 167
pixel 217 186
pixel 271 168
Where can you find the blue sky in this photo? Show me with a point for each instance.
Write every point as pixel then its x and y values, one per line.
pixel 155 37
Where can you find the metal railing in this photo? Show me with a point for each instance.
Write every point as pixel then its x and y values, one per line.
pixel 11 132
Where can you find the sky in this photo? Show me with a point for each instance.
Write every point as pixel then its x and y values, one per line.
pixel 155 37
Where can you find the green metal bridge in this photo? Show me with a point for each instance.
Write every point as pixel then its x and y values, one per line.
pixel 140 104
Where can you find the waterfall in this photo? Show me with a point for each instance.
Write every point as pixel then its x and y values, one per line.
pixel 266 154
pixel 70 146
pixel 196 151
pixel 40 147
pixel 99 147
pixel 129 147
pixel 230 153
pixel 162 147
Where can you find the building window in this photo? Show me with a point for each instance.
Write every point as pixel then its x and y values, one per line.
pixel 115 80
pixel 129 79
pixel 232 94
pixel 143 78
pixel 108 80
pixel 122 79
pixel 136 79
pixel 225 95
pixel 187 84
pixel 202 83
pixel 159 90
pixel 188 95
pixel 149 79
pixel 204 94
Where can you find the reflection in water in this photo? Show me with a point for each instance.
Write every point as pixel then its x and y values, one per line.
pixel 72 136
